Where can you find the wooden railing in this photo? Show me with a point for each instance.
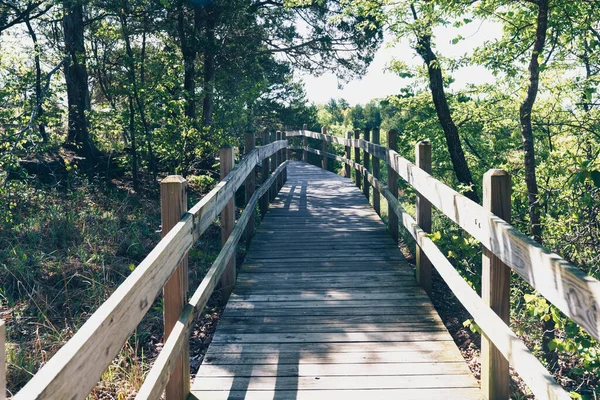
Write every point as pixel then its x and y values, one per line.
pixel 504 247
pixel 76 368
pixel 79 364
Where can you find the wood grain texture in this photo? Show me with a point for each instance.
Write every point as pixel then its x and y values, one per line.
pixel 376 172
pixel 104 333
pixel 537 378
pixel 495 288
pixel 156 379
pixel 324 148
pixel 358 179
pixel 249 185
pixel 305 317
pixel 173 201
pixel 366 164
pixel 576 294
pixel 227 222
pixel 423 217
pixel 264 200
pixel 392 179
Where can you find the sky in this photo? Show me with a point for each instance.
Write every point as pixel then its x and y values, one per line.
pixel 377 83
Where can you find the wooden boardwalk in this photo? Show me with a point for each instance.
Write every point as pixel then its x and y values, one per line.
pixel 326 307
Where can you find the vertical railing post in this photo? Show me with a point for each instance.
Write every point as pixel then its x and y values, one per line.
pixel 2 359
pixel 173 202
pixel 304 144
pixel 495 288
pixel 249 185
pixel 367 165
pixel 423 271
pixel 279 161
pixel 227 222
pixel 376 174
pixel 272 166
pixel 264 200
pixel 392 139
pixel 285 157
pixel 347 149
pixel 324 149
pixel 357 159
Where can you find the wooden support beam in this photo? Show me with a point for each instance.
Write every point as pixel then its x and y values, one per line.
pixel 272 167
pixel 173 201
pixel 227 223
pixel 264 200
pixel 423 271
pixel 376 173
pixel 324 149
pixel 366 164
pixel 285 158
pixel 249 185
pixel 279 154
pixel 2 360
pixel 495 288
pixel 347 149
pixel 392 139
pixel 304 144
pixel 357 159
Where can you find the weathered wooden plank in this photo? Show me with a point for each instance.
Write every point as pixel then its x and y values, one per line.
pixel 316 327
pixel 539 380
pixel 566 286
pixel 344 337
pixel 336 383
pixel 349 369
pixel 164 364
pixel 379 394
pixel 173 201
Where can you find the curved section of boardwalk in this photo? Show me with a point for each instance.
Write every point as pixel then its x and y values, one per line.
pixel 326 307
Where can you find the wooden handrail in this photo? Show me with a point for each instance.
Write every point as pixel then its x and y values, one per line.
pixel 158 376
pixel 537 378
pixel 88 353
pixel 576 294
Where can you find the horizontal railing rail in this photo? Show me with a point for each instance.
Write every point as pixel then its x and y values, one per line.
pixel 77 367
pixel 568 287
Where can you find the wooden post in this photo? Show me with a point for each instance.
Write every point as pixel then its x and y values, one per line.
pixel 264 200
pixel 392 139
pixel 423 272
pixel 2 360
pixel 249 185
pixel 304 144
pixel 272 167
pixel 279 155
pixel 376 174
pixel 227 223
pixel 367 164
pixel 495 288
pixel 173 201
pixel 324 149
pixel 357 159
pixel 348 171
pixel 285 157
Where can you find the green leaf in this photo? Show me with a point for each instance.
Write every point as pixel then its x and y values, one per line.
pixel 529 298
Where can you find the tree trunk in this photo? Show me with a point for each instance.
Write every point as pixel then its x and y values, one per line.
pixel 535 228
pixel 209 72
pixel 436 85
pixel 189 52
pixel 134 166
pixel 39 96
pixel 76 77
